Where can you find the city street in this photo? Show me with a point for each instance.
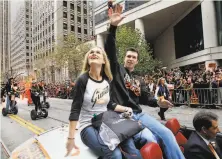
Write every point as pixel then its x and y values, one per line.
pixel 17 129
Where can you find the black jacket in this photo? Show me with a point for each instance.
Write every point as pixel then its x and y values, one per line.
pixel 8 87
pixel 122 78
pixel 196 148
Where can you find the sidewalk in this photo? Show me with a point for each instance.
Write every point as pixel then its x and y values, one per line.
pixel 184 114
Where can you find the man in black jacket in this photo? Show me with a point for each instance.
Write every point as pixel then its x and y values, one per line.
pixel 199 145
pixel 8 88
pixel 126 91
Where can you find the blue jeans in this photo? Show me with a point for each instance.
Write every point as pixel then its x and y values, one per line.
pixel 160 133
pixel 90 137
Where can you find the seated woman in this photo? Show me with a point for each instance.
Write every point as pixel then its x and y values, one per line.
pixel 163 95
pixel 92 97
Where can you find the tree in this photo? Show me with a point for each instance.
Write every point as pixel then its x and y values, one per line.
pixel 128 37
pixel 70 53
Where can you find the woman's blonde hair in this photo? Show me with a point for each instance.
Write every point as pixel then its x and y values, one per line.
pixel 158 83
pixel 106 67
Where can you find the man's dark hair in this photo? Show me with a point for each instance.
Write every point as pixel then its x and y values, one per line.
pixel 203 119
pixel 133 50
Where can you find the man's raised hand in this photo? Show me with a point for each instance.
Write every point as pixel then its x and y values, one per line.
pixel 116 17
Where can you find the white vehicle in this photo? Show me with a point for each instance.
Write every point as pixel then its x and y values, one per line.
pixel 52 145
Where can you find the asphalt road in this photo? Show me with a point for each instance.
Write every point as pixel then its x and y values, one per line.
pixel 16 129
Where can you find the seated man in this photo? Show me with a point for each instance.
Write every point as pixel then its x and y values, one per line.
pixel 199 145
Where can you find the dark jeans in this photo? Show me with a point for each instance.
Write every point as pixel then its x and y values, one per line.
pixel 90 137
pixel 36 101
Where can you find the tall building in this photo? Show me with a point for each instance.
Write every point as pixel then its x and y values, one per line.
pixel 182 33
pixel 5 37
pixel 52 21
pixel 21 43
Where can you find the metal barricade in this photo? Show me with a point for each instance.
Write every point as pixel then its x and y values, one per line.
pixel 207 97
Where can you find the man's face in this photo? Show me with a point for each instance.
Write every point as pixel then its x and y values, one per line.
pixel 213 130
pixel 131 59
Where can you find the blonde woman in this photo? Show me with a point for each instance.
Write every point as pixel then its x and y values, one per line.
pixel 162 95
pixel 92 97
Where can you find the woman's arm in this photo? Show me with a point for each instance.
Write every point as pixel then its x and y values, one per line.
pixel 72 129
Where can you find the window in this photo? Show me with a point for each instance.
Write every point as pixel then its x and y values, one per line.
pixel 85 21
pixel 27 35
pixel 72 6
pixel 186 44
pixel 65 26
pixel 85 11
pixel 65 3
pixel 64 15
pixel 53 39
pixel 79 30
pixel 27 54
pixel 72 28
pixel 85 31
pixel 27 16
pixel 79 19
pixel 78 9
pixel 27 60
pixel 27 47
pixel 72 17
pixel 52 26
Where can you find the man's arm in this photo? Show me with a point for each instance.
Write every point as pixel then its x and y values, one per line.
pixel 110 45
pixel 110 48
pixel 145 97
pixel 195 154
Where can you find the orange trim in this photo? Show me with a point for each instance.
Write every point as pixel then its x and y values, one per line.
pixel 43 150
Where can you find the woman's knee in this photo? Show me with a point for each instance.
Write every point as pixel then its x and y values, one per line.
pixel 116 154
pixel 146 136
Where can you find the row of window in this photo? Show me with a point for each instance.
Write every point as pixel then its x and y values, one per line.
pixel 72 17
pixel 44 23
pixel 65 27
pixel 43 44
pixel 71 4
pixel 44 33
pixel 42 55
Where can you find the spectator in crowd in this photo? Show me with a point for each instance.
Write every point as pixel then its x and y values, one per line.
pixel 162 95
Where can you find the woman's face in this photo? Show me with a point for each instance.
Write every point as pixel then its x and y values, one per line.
pixel 162 81
pixel 95 56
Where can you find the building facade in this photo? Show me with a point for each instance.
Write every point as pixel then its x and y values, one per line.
pixel 52 21
pixel 5 37
pixel 21 43
pixel 182 33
